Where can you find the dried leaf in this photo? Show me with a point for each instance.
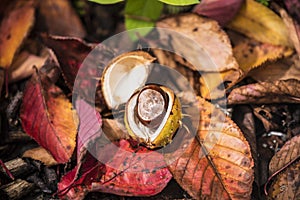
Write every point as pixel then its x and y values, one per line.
pixel 59 18
pixel 293 27
pixel 14 28
pixel 283 69
pixel 40 154
pixel 259 22
pixel 287 91
pixel 218 163
pixel 286 185
pixel 47 116
pixel 222 12
pixel 128 171
pixel 250 53
pixel 207 48
pixel 71 53
pixel 287 154
pixel 22 66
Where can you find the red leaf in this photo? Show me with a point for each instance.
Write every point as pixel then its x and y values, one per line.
pixel 72 54
pixel 219 10
pixel 130 172
pixel 47 116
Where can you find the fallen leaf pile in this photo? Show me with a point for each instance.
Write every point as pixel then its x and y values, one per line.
pixel 241 60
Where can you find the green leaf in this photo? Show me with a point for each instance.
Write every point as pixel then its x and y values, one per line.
pixel 139 14
pixel 106 1
pixel 180 2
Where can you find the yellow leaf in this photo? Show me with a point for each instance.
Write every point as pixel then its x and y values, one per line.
pixel 250 53
pixel 13 29
pixel 261 23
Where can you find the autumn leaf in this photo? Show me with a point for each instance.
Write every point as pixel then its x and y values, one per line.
pixel 129 171
pixel 218 163
pixel 287 154
pixel 47 116
pixel 71 53
pixel 40 154
pixel 259 22
pixel 283 69
pixel 285 167
pixel 266 92
pixel 222 12
pixel 207 48
pixel 90 123
pixel 59 18
pixel 250 53
pixel 14 28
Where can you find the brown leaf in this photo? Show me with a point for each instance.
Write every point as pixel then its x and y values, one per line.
pixel 59 18
pixel 294 29
pixel 286 185
pixel 47 116
pixel 250 53
pixel 14 28
pixel 283 69
pixel 220 166
pixel 287 91
pixel 285 167
pixel 287 154
pixel 207 48
pixel 22 67
pixel 40 154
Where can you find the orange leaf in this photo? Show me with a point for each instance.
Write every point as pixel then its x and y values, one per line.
pixel 47 116
pixel 14 28
pixel 218 164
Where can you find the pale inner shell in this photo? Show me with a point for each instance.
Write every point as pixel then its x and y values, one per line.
pixel 150 104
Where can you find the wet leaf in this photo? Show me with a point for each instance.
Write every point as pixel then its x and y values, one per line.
pixel 218 163
pixel 47 116
pixel 59 18
pixel 222 12
pixel 259 22
pixel 14 28
pixel 287 154
pixel 285 167
pixel 40 154
pixel 286 91
pixel 71 53
pixel 128 171
pixel 207 48
pixel 250 53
